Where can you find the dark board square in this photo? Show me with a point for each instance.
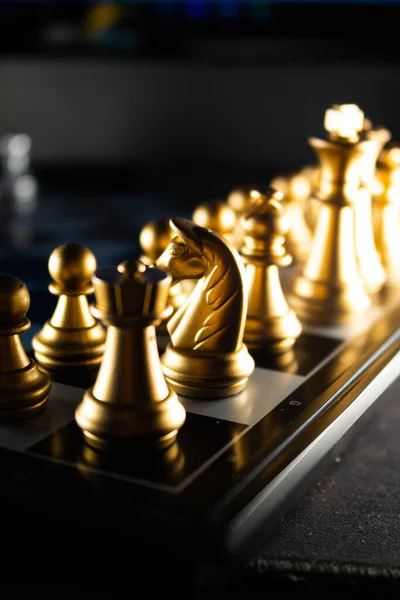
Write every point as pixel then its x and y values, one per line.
pixel 308 351
pixel 200 438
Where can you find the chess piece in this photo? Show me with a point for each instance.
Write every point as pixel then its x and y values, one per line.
pixel 295 198
pixel 310 174
pixel 18 190
pixel 281 184
pixel 71 339
pixel 154 237
pixel 206 357
pixel 15 149
pixel 130 403
pixel 24 389
pixel 270 322
pixel 217 216
pixel 239 199
pixel 331 289
pixel 381 137
pixel 387 213
pixel 368 259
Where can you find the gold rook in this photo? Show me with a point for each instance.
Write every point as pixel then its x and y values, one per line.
pixel 130 403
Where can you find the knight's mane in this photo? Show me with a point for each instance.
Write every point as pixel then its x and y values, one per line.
pixel 215 285
pixel 222 288
pixel 220 293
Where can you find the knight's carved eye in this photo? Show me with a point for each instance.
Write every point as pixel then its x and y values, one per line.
pixel 177 249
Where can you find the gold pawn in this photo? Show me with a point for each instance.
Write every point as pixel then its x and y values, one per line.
pixel 270 322
pixel 154 237
pixel 387 211
pixel 72 339
pixel 217 216
pixel 331 289
pixel 24 389
pixel 296 193
pixel 239 199
pixel 130 403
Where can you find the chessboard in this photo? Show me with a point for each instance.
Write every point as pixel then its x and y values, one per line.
pixel 239 462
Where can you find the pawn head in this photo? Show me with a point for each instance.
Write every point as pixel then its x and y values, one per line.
pixel 14 301
pixel 72 266
pixel 240 198
pixel 265 217
pixel 217 216
pixel 155 237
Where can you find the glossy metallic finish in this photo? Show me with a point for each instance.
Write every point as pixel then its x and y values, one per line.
pixel 24 389
pixel 206 357
pixel 387 213
pixel 72 339
pixel 130 403
pixel 368 259
pixel 331 289
pixel 238 200
pixel 270 323
pixel 218 216
pixel 154 237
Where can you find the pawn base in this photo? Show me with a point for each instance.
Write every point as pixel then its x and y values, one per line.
pixel 275 334
pixel 323 303
pixel 207 374
pixel 23 393
pixel 71 349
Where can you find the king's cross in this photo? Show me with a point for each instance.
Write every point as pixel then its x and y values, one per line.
pixel 344 121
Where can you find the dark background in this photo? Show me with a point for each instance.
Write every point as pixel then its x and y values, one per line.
pixel 232 86
pixel 136 108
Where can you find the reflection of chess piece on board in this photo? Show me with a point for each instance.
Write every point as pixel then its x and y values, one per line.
pixel 24 389
pixel 387 211
pixel 130 403
pixel 286 362
pixel 216 215
pixel 270 323
pixel 239 199
pixel 154 237
pixel 330 288
pixel 71 340
pixel 206 356
pixel 168 464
